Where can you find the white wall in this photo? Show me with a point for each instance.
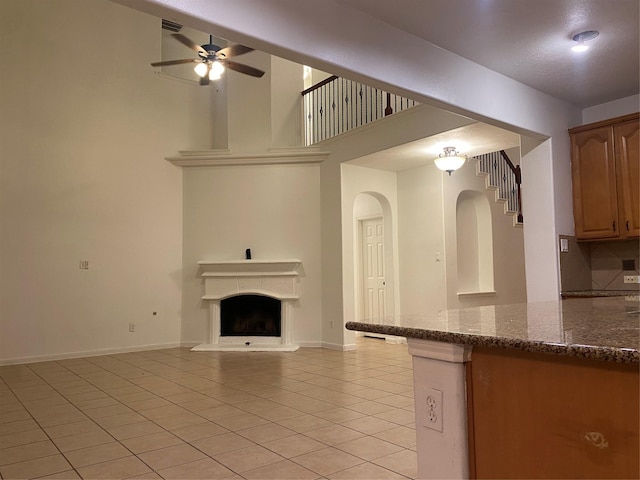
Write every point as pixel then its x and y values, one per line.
pixel 275 211
pixel 617 108
pixel 539 228
pixel 265 112
pixel 421 240
pixel 508 243
pixel 286 106
pixel 249 106
pixel 366 206
pixel 331 239
pixel 84 126
pixel 428 242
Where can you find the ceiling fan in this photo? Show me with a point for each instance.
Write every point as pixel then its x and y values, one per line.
pixel 212 59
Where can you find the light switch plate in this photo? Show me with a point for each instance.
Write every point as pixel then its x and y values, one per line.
pixel 564 244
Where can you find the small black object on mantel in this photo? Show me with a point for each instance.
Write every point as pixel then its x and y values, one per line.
pixel 247 254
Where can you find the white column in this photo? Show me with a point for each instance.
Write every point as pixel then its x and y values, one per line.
pixel 440 403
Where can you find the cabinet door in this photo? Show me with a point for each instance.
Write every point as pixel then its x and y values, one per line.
pixel 549 416
pixel 594 184
pixel 627 138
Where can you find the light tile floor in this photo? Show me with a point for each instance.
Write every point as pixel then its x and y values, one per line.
pixel 177 414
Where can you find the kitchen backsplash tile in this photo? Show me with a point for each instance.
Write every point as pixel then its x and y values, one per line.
pixel 575 266
pixel 598 265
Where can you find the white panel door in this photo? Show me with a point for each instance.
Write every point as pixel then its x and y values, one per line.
pixel 373 270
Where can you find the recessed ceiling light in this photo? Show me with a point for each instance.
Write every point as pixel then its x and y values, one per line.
pixel 582 37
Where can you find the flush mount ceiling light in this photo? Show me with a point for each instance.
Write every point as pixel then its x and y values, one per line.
pixel 450 160
pixel 582 37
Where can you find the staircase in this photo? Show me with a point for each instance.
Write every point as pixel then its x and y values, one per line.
pixel 505 178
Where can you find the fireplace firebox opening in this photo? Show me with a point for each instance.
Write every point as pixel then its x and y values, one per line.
pixel 250 315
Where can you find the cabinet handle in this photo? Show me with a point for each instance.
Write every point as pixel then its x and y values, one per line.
pixel 614 225
pixel 627 224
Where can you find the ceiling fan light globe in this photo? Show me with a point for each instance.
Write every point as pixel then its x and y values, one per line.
pixel 217 69
pixel 200 69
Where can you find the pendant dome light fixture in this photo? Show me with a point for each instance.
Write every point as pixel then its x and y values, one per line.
pixel 450 160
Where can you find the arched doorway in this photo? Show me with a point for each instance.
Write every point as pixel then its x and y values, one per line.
pixel 374 258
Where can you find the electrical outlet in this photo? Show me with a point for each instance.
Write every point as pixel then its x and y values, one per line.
pixel 132 327
pixel 433 406
pixel 84 265
pixel 631 279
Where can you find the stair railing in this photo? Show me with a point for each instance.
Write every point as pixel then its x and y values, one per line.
pixel 506 176
pixel 337 105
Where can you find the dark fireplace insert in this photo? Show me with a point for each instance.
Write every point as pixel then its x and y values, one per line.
pixel 251 316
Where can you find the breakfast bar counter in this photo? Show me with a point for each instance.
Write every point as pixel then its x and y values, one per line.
pixel 532 390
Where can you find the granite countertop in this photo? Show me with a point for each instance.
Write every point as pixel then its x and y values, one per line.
pixel 606 328
pixel 600 293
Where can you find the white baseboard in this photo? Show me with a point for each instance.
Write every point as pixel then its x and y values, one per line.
pixel 310 344
pixel 336 346
pixel 90 353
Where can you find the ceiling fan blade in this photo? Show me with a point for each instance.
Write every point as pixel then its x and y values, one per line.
pixel 233 51
pixel 246 69
pixel 174 62
pixel 189 43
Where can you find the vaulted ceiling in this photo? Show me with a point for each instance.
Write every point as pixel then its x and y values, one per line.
pixel 527 40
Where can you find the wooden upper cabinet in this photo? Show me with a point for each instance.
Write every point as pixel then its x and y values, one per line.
pixel 605 174
pixel 593 170
pixel 627 141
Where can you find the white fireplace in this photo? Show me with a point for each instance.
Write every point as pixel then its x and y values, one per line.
pixel 276 279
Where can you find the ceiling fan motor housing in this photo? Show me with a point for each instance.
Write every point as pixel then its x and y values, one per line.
pixel 211 50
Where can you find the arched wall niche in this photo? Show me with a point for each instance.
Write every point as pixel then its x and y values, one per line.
pixel 474 243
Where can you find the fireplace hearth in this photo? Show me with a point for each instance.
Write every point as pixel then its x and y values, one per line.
pixel 250 304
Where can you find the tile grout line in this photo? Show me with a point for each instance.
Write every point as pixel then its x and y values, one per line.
pixel 70 402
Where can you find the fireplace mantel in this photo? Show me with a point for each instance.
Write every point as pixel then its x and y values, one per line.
pixel 277 278
pixel 238 268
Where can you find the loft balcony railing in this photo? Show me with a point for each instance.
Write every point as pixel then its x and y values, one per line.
pixel 505 176
pixel 337 105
